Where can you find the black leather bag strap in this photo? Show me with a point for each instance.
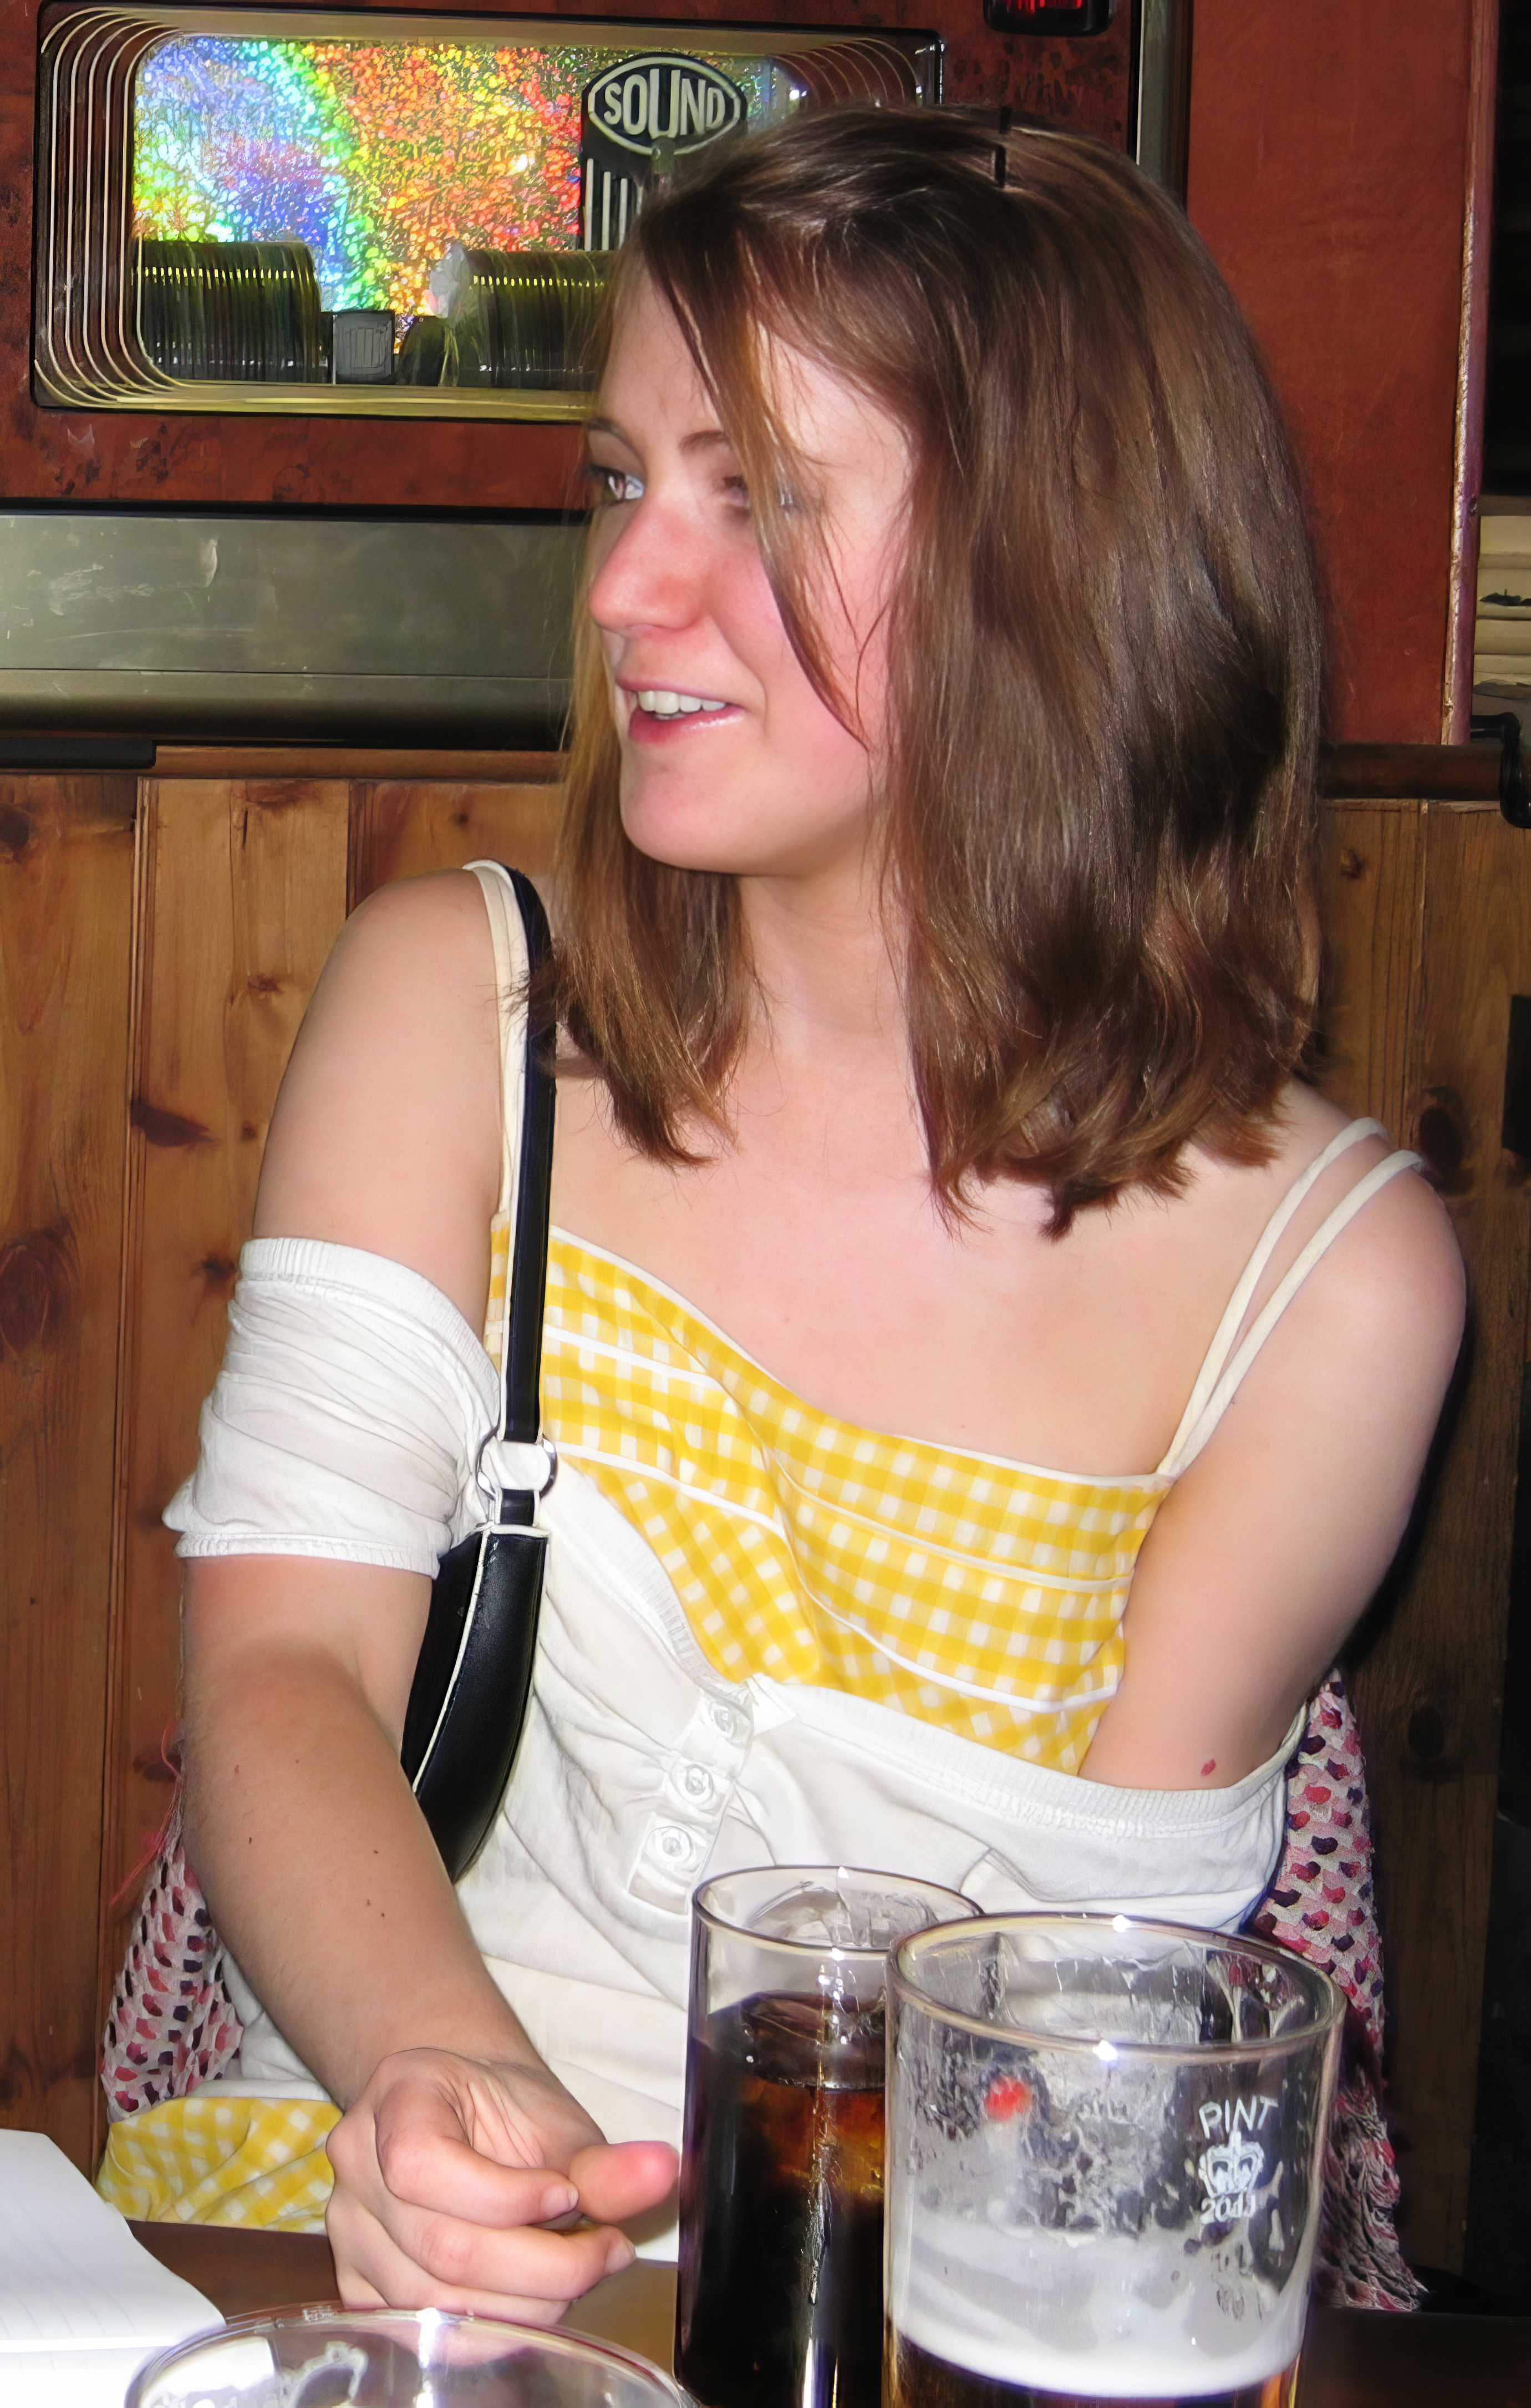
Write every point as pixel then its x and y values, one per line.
pixel 521 1412
pixel 473 1680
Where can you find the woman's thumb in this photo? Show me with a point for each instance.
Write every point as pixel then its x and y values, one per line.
pixel 618 2179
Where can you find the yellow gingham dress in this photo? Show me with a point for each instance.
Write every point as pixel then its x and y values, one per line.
pixel 216 2158
pixel 983 1595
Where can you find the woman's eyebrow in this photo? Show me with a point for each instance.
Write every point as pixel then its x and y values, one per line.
pixel 705 437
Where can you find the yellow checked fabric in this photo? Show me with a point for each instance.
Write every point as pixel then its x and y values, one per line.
pixel 207 2159
pixel 983 1595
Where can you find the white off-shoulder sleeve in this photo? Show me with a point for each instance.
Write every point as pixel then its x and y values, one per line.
pixel 346 1420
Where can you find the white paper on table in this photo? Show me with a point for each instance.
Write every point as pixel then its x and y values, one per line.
pixel 69 2378
pixel 82 2303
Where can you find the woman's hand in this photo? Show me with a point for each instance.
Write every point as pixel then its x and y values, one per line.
pixel 447 2172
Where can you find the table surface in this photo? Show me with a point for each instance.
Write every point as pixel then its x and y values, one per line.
pixel 1351 2360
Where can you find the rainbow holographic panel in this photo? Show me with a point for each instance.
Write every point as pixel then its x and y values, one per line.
pixel 376 154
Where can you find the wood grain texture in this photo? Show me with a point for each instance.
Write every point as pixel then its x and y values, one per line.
pixel 352 762
pixel 242 895
pixel 1327 169
pixel 1371 863
pixel 1404 774
pixel 1428 1691
pixel 1427 914
pixel 66 925
pixel 400 828
pixel 372 463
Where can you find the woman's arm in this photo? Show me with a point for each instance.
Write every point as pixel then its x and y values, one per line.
pixel 317 1863
pixel 1272 1542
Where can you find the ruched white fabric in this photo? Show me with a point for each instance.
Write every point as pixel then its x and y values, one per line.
pixel 347 1419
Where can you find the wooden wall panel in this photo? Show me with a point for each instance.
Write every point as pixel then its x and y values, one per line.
pixel 66 933
pixel 401 828
pixel 1328 170
pixel 1429 1685
pixel 1371 866
pixel 1426 911
pixel 1446 1647
pixel 244 891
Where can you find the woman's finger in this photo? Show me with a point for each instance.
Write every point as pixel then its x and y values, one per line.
pixel 621 2178
pixel 371 2271
pixel 417 2259
pixel 427 2165
pixel 413 2142
pixel 354 2290
pixel 524 2258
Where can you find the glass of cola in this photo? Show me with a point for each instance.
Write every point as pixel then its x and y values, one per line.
pixel 779 2303
pixel 1105 2164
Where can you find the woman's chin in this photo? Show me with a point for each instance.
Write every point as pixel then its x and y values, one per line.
pixel 738 829
pixel 682 831
pixel 677 851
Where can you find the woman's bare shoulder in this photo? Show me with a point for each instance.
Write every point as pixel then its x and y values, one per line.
pixel 1400 1271
pixel 1271 1541
pixel 386 1132
pixel 1385 1289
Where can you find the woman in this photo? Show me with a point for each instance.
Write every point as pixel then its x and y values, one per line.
pixel 936 963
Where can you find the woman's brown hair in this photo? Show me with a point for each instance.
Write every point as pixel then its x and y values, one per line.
pixel 1098 793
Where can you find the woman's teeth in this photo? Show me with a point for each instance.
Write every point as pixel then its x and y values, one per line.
pixel 665 705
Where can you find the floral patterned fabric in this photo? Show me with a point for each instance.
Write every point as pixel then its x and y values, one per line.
pixel 172 2025
pixel 1320 1905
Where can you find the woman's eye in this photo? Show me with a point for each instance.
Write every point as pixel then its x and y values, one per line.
pixel 613 485
pixel 738 493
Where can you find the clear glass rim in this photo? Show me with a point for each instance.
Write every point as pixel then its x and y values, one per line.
pixel 1328 1999
pixel 861 1876
pixel 323 2316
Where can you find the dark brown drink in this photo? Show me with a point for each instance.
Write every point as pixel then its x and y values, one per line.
pixel 781 2293
pixel 917 2380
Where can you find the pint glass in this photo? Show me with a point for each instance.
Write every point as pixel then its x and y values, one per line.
pixel 1105 2160
pixel 779 2303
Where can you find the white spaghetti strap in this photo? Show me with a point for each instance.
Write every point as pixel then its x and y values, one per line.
pixel 510 965
pixel 1231 1322
pixel 1192 1434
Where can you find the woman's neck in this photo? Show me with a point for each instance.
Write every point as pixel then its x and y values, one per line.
pixel 827 974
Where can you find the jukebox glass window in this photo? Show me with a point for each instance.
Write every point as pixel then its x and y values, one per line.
pixel 302 214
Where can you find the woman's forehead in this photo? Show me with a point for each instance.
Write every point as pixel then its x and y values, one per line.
pixel 826 419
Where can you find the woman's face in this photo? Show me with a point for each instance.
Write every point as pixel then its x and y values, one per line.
pixel 730 761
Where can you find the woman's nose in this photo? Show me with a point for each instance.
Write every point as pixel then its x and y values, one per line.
pixel 650 574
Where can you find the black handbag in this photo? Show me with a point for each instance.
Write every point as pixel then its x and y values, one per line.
pixel 473 1680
